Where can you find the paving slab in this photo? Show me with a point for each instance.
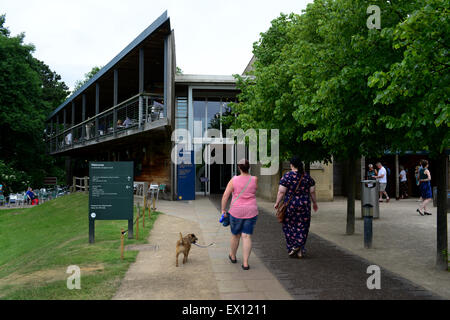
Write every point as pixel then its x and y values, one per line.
pixel 208 273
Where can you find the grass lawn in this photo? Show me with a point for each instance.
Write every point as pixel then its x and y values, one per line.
pixel 38 244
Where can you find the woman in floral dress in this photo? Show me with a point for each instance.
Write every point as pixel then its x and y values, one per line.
pixel 298 213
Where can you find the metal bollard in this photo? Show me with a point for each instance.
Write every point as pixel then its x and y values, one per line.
pixel 368 219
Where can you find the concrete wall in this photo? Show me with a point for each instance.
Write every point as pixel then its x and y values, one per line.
pixel 267 185
pixel 321 173
pixel 323 176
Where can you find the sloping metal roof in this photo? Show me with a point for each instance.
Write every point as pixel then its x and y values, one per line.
pixel 146 33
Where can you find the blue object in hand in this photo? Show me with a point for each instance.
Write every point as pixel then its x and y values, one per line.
pixel 225 220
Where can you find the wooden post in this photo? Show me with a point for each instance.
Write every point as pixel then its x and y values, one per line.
pixel 137 224
pixel 149 210
pixel 74 184
pixel 86 184
pixel 121 244
pixel 143 218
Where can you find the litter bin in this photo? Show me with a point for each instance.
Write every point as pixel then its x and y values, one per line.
pixel 370 193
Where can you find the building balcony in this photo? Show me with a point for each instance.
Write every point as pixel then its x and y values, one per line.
pixel 138 114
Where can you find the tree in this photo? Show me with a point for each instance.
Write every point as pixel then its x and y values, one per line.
pixel 29 90
pixel 335 55
pixel 415 94
pixel 266 98
pixel 87 76
pixel 310 81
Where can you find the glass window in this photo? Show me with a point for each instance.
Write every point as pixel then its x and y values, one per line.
pixel 181 113
pixel 199 118
pixel 213 114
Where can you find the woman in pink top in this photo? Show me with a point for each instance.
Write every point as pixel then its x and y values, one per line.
pixel 243 211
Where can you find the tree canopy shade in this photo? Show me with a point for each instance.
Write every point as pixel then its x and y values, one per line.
pixel 29 90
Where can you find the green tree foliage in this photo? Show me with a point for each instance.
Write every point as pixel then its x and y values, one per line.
pixel 415 94
pixel 415 91
pixel 267 98
pixel 29 90
pixel 87 76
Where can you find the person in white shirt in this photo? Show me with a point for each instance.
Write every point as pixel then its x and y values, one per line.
pixel 403 183
pixel 382 179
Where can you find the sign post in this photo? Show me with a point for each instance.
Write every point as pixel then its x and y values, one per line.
pixel 110 194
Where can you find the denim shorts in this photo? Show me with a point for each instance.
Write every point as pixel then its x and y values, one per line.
pixel 239 226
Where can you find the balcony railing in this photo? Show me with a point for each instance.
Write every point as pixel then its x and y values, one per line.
pixel 130 114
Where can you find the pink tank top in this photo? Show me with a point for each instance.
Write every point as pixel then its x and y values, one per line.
pixel 245 207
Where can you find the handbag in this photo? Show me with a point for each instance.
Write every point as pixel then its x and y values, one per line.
pixel 225 220
pixel 281 211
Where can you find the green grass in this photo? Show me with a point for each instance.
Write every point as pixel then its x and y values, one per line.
pixel 38 244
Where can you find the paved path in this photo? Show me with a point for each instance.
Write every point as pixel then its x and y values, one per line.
pixel 208 273
pixel 403 241
pixel 329 272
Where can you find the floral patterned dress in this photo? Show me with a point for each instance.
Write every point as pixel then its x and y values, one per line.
pixel 298 212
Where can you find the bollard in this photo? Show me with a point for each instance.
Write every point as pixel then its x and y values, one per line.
pixel 121 244
pixel 154 204
pixel 368 219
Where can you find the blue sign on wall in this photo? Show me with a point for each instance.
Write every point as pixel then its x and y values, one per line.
pixel 186 178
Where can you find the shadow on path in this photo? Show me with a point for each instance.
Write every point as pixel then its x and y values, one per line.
pixel 328 272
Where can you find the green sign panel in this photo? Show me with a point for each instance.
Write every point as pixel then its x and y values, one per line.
pixel 110 192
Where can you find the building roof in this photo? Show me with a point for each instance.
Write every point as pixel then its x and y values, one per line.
pixel 136 42
pixel 205 79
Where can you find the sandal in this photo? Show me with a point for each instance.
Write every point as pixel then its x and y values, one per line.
pixel 419 212
pixel 293 252
pixel 245 268
pixel 232 261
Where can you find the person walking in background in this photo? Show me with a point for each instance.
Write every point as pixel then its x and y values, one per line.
pixel 425 188
pixel 382 179
pixel 403 183
pixel 298 213
pixel 243 211
pixel 371 173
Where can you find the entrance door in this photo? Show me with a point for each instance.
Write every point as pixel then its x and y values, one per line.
pixel 202 170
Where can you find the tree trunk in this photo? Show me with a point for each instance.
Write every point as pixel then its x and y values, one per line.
pixel 308 167
pixel 351 192
pixel 442 241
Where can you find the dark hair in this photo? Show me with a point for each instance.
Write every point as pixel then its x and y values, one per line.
pixel 297 163
pixel 424 163
pixel 244 165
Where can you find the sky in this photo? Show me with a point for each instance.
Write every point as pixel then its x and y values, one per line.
pixel 211 36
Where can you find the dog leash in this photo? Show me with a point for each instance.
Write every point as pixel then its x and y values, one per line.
pixel 209 245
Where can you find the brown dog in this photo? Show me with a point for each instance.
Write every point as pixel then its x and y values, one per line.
pixel 184 245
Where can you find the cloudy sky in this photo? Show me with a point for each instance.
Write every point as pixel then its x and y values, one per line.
pixel 212 36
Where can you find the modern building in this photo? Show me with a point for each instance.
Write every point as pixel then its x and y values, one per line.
pixel 129 112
